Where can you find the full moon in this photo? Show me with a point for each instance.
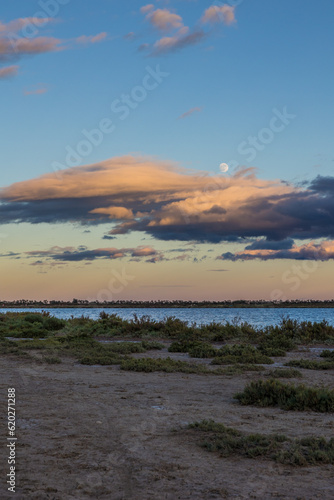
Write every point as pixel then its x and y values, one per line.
pixel 223 167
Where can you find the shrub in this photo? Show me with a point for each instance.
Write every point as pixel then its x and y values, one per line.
pixel 288 397
pixel 228 441
pixel 240 353
pixel 327 354
pixel 311 364
pixel 284 373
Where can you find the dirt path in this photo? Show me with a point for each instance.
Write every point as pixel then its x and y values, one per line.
pixel 94 432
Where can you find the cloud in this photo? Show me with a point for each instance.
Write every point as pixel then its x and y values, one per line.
pixel 190 112
pixel 163 200
pixel 115 213
pixel 219 14
pixel 70 254
pixel 147 8
pixel 17 47
pixel 218 270
pixel 85 40
pixel 177 42
pixel 9 254
pixel 19 38
pixel 130 36
pixel 264 244
pixel 9 71
pixel 311 251
pixel 36 91
pixel 164 20
pixel 180 35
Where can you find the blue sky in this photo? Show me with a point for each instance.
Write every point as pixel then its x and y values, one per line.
pixel 222 89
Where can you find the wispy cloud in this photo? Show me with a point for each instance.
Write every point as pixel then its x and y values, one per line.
pixel 190 112
pixel 18 39
pixel 36 91
pixel 179 34
pixel 86 40
pixel 9 71
pixel 71 254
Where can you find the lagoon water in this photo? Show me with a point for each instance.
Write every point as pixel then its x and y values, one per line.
pixel 255 316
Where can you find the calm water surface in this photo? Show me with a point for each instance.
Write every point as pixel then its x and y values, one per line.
pixel 254 316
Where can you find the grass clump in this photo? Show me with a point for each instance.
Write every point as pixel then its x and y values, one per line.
pixel 284 373
pixel 165 365
pixel 288 397
pixel 311 364
pixel 52 360
pixel 227 442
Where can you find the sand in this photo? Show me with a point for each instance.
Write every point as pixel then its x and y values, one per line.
pixel 95 432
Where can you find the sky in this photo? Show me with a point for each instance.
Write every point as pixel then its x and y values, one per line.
pixel 179 149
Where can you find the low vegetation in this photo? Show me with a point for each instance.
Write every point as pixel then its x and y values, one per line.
pixel 226 441
pixel 240 353
pixel 166 365
pixel 311 364
pixel 288 397
pixel 284 373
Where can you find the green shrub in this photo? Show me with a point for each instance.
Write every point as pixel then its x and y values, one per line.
pixel 288 397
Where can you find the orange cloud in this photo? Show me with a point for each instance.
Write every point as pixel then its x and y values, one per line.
pixel 117 213
pixel 171 203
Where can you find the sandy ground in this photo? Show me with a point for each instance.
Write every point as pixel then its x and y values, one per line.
pixel 94 432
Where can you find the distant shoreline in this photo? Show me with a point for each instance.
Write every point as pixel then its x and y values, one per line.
pixel 168 305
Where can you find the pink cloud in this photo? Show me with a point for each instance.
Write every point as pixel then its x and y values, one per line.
pixel 92 38
pixel 190 112
pixel 147 8
pixel 9 71
pixel 36 91
pixel 217 14
pixel 164 20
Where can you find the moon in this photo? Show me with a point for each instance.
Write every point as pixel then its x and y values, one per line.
pixel 223 167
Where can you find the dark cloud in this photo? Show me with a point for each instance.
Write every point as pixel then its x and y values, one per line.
pixel 9 254
pixel 270 245
pixel 107 237
pixel 82 253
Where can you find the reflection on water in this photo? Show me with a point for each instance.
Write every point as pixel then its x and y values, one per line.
pixel 254 316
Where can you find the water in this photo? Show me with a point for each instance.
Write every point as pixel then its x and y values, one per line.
pixel 254 316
